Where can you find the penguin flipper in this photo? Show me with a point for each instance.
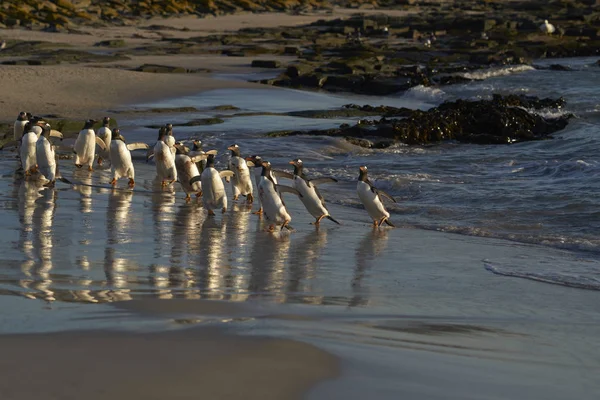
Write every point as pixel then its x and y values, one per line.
pixel 137 146
pixel 384 194
pixel 226 174
pixel 55 133
pixel 195 179
pixel 250 163
pixel 283 174
pixel 100 143
pixel 288 189
pixel 198 158
pixel 320 181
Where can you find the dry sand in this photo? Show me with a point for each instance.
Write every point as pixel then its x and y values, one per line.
pixel 190 364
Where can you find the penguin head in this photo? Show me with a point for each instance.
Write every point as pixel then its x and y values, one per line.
pixel 210 160
pixel 89 124
pixel 197 145
pixel 106 121
pixel 46 128
pixel 169 129
pixel 116 135
pixel 180 148
pixel 297 163
pixel 22 116
pixel 256 160
pixel 162 132
pixel 266 168
pixel 28 115
pixel 235 150
pixel 363 173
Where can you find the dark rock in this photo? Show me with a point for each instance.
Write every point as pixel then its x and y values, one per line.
pixel 161 69
pixel 111 43
pixel 265 64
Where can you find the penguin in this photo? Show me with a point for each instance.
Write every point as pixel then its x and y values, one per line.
pixel 105 135
pixel 213 190
pixel 46 156
pixel 371 197
pixel 85 146
pixel 120 156
pixel 240 182
pixel 165 159
pixel 310 196
pixel 169 139
pixel 547 28
pixel 19 126
pixel 197 146
pixel 271 199
pixel 27 152
pixel 256 162
pixel 187 168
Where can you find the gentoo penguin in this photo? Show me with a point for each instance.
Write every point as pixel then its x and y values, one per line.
pixel 197 146
pixel 547 28
pixel 120 156
pixel 240 182
pixel 165 159
pixel 213 190
pixel 270 196
pixel 309 194
pixel 27 152
pixel 104 134
pixel 85 146
pixel 370 196
pixel 187 168
pixel 256 162
pixel 46 157
pixel 19 126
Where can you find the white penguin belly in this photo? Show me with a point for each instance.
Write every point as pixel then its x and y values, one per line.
pixel 242 184
pixel 106 135
pixel 165 162
pixel 186 170
pixel 85 147
pixel 18 129
pixel 371 201
pixel 121 163
pixel 213 190
pixel 273 206
pixel 28 151
pixel 309 198
pixel 45 159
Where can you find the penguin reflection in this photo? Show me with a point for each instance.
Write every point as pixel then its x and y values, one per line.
pixel 303 265
pixel 117 224
pixel 39 267
pixel 28 193
pixel 269 256
pixel 238 245
pixel 186 247
pixel 214 265
pixel 85 190
pixel 370 247
pixel 162 216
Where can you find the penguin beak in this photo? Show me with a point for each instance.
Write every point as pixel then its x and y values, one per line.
pixel 230 148
pixel 363 169
pixel 292 163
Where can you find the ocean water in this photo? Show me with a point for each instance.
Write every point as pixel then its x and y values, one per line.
pixel 489 287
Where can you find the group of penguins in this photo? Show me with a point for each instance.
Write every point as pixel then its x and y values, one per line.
pixel 192 167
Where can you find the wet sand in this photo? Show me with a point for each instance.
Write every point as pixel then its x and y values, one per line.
pixel 190 364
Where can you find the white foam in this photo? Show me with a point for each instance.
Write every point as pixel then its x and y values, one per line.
pixel 425 93
pixel 493 72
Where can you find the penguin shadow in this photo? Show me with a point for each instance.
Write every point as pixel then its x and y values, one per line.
pixel 268 259
pixel 214 268
pixel 303 265
pixel 367 252
pixel 38 268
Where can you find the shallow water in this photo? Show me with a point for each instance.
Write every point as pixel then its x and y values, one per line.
pixel 492 277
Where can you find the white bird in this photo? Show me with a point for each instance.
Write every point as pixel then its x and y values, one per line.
pixel 547 28
pixel 85 146
pixel 120 156
pixel 27 152
pixel 19 126
pixel 270 196
pixel 213 189
pixel 169 139
pixel 256 162
pixel 309 194
pixel 187 168
pixel 46 156
pixel 371 197
pixel 104 134
pixel 241 184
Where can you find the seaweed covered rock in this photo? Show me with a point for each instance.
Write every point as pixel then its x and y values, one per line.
pixel 500 120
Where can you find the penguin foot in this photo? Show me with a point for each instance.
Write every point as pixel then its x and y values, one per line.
pixel 249 198
pixel 259 212
pixel 271 228
pixel 78 165
pixel 236 197
pixel 318 221
pixel 163 183
pixel 375 223
pixel 90 168
pixel 285 225
pixel 171 181
pixel 113 182
pixel 211 212
pixel 223 210
pixel 188 198
pixel 131 183
pixel 100 160
pixel 199 194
